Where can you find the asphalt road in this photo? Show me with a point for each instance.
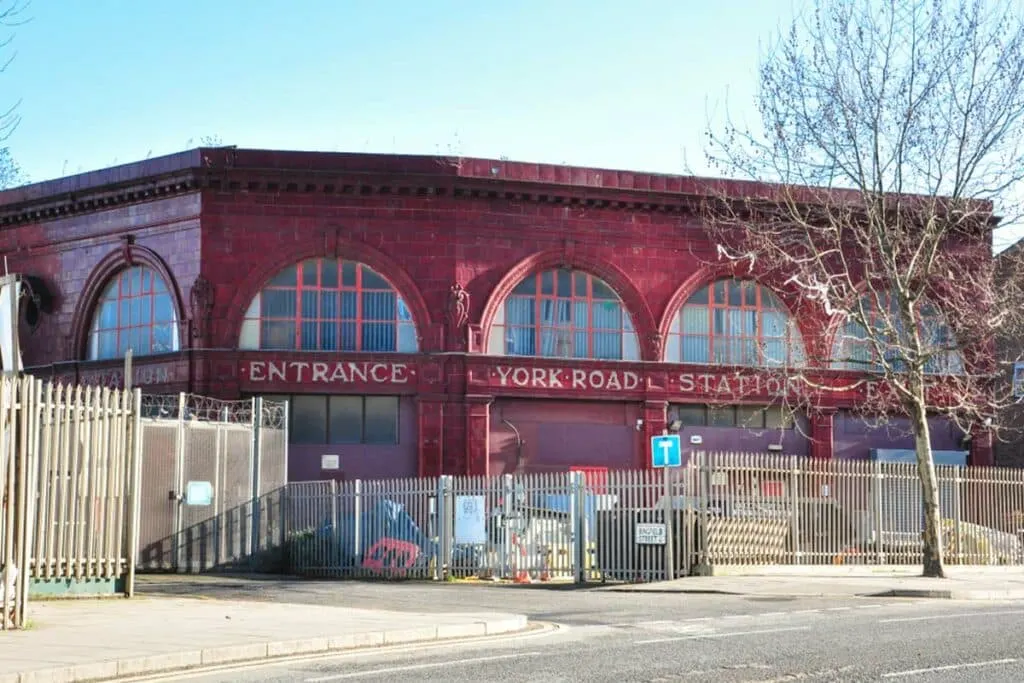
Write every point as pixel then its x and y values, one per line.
pixel 652 638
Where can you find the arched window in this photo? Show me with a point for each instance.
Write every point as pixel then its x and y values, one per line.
pixel 734 322
pixel 854 349
pixel 329 305
pixel 136 311
pixel 564 314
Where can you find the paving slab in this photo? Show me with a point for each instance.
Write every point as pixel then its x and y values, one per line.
pixel 958 585
pixel 85 640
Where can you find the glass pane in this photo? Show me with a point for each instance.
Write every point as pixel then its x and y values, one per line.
pixel 381 420
pixel 607 315
pixel 329 336
pixel 348 336
pixel 407 342
pixel 527 286
pixel 735 293
pixel 689 415
pixel 696 349
pixel 700 297
pixel 286 278
pixel 608 345
pixel 309 420
pixel 403 311
pixel 310 299
pixel 378 337
pixel 348 274
pixel 580 284
pixel 579 345
pixel 329 274
pixel 547 283
pixel 278 303
pixel 346 419
pixel 722 416
pixel 750 294
pixel 719 292
pixel 520 311
pixel 630 346
pixel 309 272
pixel 348 305
pixel 164 338
pixel 751 417
pixel 329 305
pixel 379 305
pixel 108 315
pixel 603 291
pixel 159 285
pixel 310 341
pixel 564 283
pixel 372 280
pixel 277 334
pixel 695 320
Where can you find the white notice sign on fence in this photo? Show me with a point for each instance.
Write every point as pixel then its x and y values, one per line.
pixel 470 519
pixel 650 534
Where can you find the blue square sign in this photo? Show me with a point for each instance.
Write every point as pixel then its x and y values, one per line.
pixel 666 451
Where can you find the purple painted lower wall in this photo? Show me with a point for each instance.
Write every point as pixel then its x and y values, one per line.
pixel 853 438
pixel 558 435
pixel 361 461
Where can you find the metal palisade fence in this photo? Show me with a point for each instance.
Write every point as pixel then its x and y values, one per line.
pixel 69 467
pixel 719 510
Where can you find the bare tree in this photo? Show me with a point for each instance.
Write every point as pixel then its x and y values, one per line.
pixel 12 15
pixel 893 131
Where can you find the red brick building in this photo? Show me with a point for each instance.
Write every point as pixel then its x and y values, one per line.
pixel 424 314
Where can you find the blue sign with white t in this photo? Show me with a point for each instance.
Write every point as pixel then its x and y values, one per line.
pixel 666 451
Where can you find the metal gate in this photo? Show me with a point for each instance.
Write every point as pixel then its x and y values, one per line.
pixel 212 473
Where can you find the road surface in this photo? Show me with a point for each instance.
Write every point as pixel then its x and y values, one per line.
pixel 597 636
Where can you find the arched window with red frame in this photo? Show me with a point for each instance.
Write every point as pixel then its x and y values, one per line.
pixel 327 304
pixel 564 314
pixel 854 349
pixel 735 322
pixel 135 311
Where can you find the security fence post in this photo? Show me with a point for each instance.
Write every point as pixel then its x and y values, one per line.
pixel 445 526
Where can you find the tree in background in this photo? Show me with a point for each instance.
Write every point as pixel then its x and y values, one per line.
pixel 895 132
pixel 12 15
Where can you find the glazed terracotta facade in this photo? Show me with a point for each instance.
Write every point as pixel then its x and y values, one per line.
pixel 454 238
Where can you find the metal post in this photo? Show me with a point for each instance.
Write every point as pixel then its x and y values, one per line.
pixel 576 523
pixel 794 504
pixel 445 526
pixel 876 509
pixel 357 503
pixel 135 470
pixel 335 530
pixel 508 508
pixel 958 517
pixel 179 483
pixel 257 451
pixel 670 564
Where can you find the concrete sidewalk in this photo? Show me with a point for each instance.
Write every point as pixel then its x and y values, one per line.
pixel 79 640
pixel 960 584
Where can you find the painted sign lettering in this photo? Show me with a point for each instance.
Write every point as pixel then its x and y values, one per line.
pixel 339 372
pixel 142 375
pixel 568 378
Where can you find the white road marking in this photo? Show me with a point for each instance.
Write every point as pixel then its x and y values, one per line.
pixel 949 616
pixel 949 667
pixel 734 634
pixel 419 667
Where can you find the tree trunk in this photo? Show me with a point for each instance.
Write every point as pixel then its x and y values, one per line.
pixel 932 537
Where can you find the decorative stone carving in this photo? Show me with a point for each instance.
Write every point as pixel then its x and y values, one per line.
pixel 458 316
pixel 202 306
pixel 127 242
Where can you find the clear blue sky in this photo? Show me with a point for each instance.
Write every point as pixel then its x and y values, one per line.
pixel 618 83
